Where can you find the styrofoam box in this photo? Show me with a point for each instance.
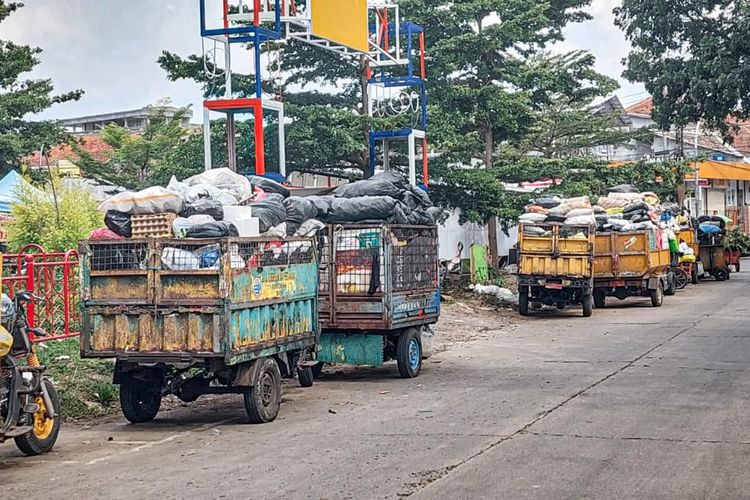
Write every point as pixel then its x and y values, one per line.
pixel 247 227
pixel 232 212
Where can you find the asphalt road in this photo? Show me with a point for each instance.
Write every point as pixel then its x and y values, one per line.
pixel 635 402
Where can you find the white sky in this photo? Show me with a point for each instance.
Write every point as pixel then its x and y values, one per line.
pixel 109 48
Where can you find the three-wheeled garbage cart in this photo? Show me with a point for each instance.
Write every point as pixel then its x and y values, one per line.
pixel 193 317
pixel 379 294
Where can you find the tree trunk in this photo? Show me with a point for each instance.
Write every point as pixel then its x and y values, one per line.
pixel 492 221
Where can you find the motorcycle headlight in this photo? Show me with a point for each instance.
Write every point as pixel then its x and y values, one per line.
pixel 6 342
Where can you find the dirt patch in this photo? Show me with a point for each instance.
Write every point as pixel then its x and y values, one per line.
pixel 470 320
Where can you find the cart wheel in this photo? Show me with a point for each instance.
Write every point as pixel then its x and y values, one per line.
pixel 600 299
pixel 737 266
pixel 306 377
pixel 523 303
pixel 694 275
pixel 139 400
pixel 671 288
pixel 588 305
pixel 657 295
pixel 721 275
pixel 409 353
pixel 263 399
pixel 681 278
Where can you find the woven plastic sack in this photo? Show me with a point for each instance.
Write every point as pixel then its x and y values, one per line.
pixel 581 220
pixel 607 202
pixel 580 212
pixel 532 218
pixel 580 202
pixel 561 210
pixel 536 209
pixel 154 200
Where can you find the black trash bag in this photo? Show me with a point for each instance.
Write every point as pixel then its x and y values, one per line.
pixel 435 214
pixel 556 218
pixel 322 204
pixel 394 178
pixel 219 229
pixel 624 188
pixel 635 207
pixel 270 211
pixel 421 194
pixel 204 206
pixel 368 187
pixel 366 208
pixel 118 223
pixel 268 185
pixel 298 210
pixel 410 200
pixel 546 202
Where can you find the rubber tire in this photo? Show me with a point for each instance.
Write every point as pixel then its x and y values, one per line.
pixel 694 275
pixel 402 353
pixel 306 377
pixel 317 370
pixel 258 411
pixel 681 279
pixel 600 299
pixel 139 405
pixel 737 267
pixel 28 443
pixel 657 295
pixel 721 275
pixel 523 304
pixel 671 286
pixel 588 305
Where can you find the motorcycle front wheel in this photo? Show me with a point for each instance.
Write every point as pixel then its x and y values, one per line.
pixel 45 430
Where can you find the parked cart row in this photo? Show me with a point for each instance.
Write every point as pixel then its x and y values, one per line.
pixel 256 310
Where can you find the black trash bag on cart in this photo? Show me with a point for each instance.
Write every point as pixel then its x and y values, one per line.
pixel 367 208
pixel 367 187
pixel 298 210
pixel 219 229
pixel 268 185
pixel 624 188
pixel 204 206
pixel 322 204
pixel 118 223
pixel 270 211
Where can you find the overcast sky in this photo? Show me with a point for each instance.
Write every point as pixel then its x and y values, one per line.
pixel 109 48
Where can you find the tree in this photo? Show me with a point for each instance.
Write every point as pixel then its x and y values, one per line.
pixel 138 161
pixel 19 98
pixel 485 94
pixel 691 56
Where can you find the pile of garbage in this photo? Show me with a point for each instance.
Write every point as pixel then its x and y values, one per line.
pixel 623 209
pixel 712 229
pixel 220 203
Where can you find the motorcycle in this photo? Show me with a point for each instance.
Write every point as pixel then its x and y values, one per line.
pixel 30 410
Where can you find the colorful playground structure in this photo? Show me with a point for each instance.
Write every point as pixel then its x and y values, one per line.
pixel 394 52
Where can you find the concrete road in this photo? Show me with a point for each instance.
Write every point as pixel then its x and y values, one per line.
pixel 635 402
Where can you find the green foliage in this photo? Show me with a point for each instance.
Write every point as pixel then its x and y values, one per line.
pixel 691 56
pixel 36 218
pixel 85 385
pixel 137 161
pixel 735 239
pixel 21 97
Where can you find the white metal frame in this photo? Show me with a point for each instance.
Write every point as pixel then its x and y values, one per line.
pixel 412 145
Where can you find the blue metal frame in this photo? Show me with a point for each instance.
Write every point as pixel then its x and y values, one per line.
pixel 264 33
pixel 380 135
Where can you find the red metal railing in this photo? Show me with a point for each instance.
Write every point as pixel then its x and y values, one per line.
pixel 52 275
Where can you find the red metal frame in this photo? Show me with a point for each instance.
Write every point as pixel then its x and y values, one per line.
pixel 54 276
pixel 245 105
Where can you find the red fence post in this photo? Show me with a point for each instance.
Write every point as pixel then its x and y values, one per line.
pixel 30 287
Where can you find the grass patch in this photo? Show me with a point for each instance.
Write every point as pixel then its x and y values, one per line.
pixel 85 385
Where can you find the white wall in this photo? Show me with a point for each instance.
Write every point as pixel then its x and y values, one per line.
pixel 450 233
